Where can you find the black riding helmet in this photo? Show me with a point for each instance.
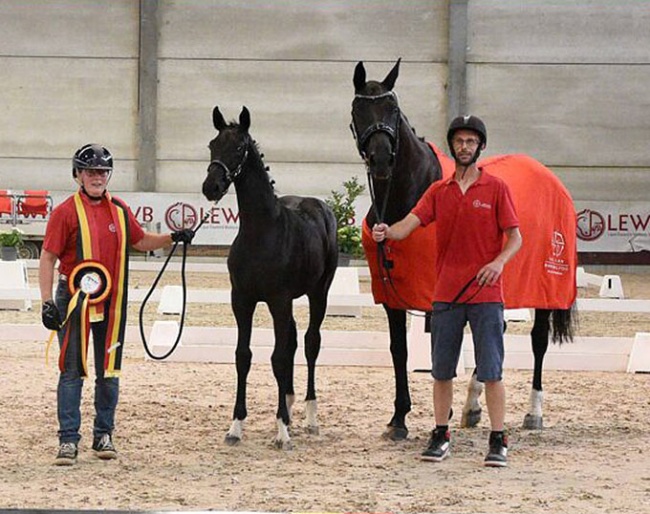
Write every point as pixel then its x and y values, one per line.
pixel 91 157
pixel 467 123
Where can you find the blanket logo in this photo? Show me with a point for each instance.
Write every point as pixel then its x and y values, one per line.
pixel 558 243
pixel 591 225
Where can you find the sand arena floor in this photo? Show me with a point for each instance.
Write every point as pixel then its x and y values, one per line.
pixel 592 456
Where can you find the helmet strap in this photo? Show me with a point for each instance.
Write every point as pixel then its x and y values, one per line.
pixel 96 198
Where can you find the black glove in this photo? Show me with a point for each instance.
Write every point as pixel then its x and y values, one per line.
pixel 183 236
pixel 51 316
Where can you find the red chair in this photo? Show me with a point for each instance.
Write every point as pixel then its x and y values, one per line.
pixel 35 202
pixel 6 203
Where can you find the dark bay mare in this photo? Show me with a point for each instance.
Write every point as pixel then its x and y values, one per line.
pixel 401 166
pixel 285 248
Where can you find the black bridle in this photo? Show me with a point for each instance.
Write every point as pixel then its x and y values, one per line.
pixel 231 175
pixel 389 125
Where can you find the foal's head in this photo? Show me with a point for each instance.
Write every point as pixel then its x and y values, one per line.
pixel 228 153
pixel 376 121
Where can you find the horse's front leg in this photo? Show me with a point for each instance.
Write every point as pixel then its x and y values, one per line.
pixel 243 310
pixel 282 362
pixel 397 430
pixel 534 419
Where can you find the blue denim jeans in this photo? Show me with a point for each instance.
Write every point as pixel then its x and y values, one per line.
pixel 447 327
pixel 70 382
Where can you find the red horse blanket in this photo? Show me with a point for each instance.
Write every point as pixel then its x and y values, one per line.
pixel 543 273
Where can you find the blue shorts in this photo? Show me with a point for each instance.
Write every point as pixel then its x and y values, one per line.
pixel 447 325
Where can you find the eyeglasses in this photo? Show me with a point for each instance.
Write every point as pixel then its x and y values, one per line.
pixel 96 173
pixel 472 142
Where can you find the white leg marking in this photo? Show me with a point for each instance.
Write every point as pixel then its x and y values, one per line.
pixel 312 417
pixel 536 402
pixel 282 440
pixel 236 429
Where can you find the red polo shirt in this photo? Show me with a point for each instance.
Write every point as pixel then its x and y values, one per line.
pixel 469 232
pixel 62 233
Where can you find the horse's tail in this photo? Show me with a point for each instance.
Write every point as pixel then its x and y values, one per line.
pixel 564 323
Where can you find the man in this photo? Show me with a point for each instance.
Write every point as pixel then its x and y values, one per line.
pixel 90 233
pixel 473 211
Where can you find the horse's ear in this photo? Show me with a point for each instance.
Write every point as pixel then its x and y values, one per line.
pixel 245 119
pixel 389 81
pixel 359 77
pixel 217 119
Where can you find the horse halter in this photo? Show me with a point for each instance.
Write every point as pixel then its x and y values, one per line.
pixel 231 175
pixel 388 125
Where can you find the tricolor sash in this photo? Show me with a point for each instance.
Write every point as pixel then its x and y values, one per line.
pixel 91 284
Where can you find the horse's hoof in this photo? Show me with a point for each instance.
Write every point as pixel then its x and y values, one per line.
pixel 232 440
pixel 470 418
pixel 533 422
pixel 313 429
pixel 283 445
pixel 396 433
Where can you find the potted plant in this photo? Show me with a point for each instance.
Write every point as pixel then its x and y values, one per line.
pixel 9 243
pixel 348 233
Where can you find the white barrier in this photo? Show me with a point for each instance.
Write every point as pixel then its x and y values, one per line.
pixel 350 348
pixel 369 348
pixel 639 361
pixel 611 287
pixel 14 278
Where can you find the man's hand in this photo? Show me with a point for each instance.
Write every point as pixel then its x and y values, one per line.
pixel 51 316
pixel 183 236
pixel 380 232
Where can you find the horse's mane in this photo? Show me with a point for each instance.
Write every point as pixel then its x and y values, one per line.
pixel 258 156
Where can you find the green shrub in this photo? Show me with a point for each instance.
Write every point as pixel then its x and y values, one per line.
pixel 342 203
pixel 14 237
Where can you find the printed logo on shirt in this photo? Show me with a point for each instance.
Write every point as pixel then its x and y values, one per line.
pixel 479 205
pixel 112 228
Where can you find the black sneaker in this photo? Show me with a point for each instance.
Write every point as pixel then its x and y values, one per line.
pixel 67 455
pixel 498 455
pixel 103 446
pixel 438 448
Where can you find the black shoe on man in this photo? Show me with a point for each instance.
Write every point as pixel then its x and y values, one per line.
pixel 439 445
pixel 104 448
pixel 497 456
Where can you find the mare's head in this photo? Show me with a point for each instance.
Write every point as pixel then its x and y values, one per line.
pixel 228 153
pixel 376 121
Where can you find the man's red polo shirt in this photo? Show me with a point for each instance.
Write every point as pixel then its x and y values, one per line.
pixel 62 233
pixel 469 230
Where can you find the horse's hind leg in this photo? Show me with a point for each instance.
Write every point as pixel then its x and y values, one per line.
pixel 534 419
pixel 317 309
pixel 243 310
pixel 471 415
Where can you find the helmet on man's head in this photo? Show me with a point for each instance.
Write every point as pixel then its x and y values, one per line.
pixel 91 157
pixel 468 122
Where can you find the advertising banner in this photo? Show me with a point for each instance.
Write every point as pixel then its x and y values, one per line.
pixel 601 226
pixel 613 226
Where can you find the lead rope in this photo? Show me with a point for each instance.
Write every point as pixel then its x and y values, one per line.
pixel 183 288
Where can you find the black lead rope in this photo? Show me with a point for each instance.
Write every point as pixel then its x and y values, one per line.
pixel 183 288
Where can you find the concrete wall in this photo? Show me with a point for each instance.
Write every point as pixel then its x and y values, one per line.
pixel 69 68
pixel 563 81
pixel 566 82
